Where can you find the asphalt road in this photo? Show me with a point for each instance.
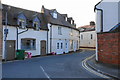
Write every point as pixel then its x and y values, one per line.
pixel 50 67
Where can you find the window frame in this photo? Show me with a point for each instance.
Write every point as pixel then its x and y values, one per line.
pixel 22 20
pixel 37 25
pixel 57 45
pixel 36 21
pixel 28 44
pixel 91 36
pixel 59 30
pixel 21 23
pixel 61 45
pixel 82 36
pixel 71 44
pixel 54 14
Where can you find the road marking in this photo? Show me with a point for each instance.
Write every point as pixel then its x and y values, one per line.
pixel 45 73
pixel 87 49
pixel 90 70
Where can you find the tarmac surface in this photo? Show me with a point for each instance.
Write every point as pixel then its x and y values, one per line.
pixel 57 67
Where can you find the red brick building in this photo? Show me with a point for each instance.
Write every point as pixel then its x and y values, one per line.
pixel 1 31
pixel 108 32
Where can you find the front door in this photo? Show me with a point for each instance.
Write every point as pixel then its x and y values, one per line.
pixel 66 47
pixel 10 50
pixel 43 47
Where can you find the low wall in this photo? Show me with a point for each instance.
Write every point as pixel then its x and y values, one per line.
pixel 109 48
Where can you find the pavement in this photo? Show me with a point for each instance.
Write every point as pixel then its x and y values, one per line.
pixel 105 69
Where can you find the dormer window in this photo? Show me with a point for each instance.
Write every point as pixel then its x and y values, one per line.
pixel 36 23
pixel 54 14
pixel 21 21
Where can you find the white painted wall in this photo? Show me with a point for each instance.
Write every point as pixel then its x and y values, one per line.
pixel 119 12
pixel 98 20
pixel 64 38
pixel 87 41
pixel 11 36
pixel 38 35
pixel 110 14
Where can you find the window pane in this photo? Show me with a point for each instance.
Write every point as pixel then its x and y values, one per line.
pixel 66 45
pixel 28 44
pixel 59 31
pixel 57 45
pixel 91 36
pixel 81 36
pixel 20 23
pixel 61 45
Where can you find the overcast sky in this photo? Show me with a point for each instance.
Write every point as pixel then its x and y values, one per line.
pixel 82 11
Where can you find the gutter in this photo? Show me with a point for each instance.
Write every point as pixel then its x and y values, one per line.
pixel 65 26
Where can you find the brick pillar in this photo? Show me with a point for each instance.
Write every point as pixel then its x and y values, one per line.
pixel 109 48
pixel 1 32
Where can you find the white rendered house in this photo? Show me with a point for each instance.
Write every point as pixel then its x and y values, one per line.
pixel 63 36
pixel 37 33
pixel 27 30
pixel 88 36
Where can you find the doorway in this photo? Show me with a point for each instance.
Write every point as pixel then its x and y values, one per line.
pixel 43 47
pixel 10 53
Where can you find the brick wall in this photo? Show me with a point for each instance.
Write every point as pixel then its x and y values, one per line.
pixel 109 48
pixel 0 34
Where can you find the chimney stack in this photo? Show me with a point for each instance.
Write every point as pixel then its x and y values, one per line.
pixel 92 23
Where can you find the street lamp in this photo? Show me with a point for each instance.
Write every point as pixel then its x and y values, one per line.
pixel 6 32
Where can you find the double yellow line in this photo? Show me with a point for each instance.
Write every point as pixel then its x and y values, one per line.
pixel 91 70
pixel 87 48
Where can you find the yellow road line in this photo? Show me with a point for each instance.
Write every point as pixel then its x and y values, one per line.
pixel 91 70
pixel 87 48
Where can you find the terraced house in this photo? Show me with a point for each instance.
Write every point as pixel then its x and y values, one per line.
pixel 38 32
pixel 63 36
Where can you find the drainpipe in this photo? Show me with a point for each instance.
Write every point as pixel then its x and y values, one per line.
pixel 23 31
pixel 95 8
pixel 18 34
pixel 100 31
pixel 17 37
pixel 5 33
pixel 51 38
pixel 101 18
pixel 47 41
